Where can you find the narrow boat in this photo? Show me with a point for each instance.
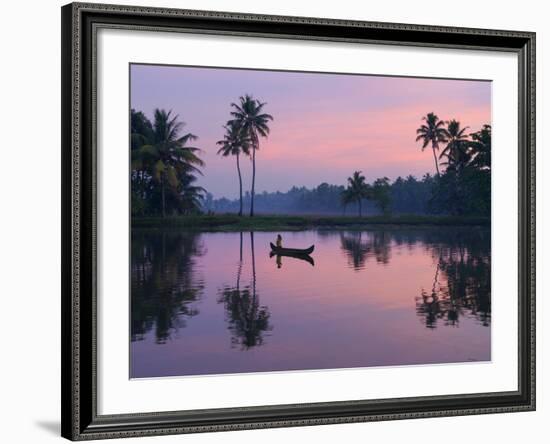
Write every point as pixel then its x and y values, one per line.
pixel 292 251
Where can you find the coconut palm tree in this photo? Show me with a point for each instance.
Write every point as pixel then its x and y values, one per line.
pixel 191 196
pixel 166 155
pixel 457 150
pixel 481 146
pixel 249 116
pixel 357 190
pixel 432 131
pixel 234 142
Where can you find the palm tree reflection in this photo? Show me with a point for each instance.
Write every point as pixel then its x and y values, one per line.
pixel 462 282
pixel 164 285
pixel 247 319
pixel 359 246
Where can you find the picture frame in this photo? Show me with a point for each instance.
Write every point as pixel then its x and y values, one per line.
pixel 80 212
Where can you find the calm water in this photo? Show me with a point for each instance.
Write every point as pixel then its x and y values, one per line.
pixel 213 303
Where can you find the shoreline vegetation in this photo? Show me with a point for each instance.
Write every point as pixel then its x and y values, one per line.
pixel 166 170
pixel 232 222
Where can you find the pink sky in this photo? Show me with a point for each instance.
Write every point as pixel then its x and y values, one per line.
pixel 325 125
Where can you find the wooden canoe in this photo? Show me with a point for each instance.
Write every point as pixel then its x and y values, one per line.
pixel 292 251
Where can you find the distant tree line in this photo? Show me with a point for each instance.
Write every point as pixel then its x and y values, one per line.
pixel 405 195
pixel 461 185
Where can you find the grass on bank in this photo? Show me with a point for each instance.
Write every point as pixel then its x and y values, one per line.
pixel 231 222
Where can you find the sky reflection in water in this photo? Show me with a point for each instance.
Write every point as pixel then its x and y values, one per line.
pixel 215 303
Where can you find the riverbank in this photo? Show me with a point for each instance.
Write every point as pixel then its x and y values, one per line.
pixel 231 222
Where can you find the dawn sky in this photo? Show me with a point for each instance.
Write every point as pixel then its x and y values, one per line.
pixel 325 125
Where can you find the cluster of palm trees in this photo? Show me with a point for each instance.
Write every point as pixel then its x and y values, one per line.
pixel 164 166
pixel 460 149
pixel 358 189
pixel 242 136
pixel 465 185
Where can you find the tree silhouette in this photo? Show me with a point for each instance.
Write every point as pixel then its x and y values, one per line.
pixel 164 286
pixel 249 117
pixel 235 142
pixel 431 132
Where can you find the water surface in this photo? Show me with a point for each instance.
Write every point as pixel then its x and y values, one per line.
pixel 216 303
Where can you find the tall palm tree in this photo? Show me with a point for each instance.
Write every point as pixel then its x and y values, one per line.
pixel 249 116
pixel 167 155
pixel 457 150
pixel 432 131
pixel 357 190
pixel 234 142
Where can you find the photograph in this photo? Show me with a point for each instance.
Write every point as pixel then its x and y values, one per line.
pixel 292 220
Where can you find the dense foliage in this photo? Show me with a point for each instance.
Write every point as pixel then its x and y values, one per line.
pixel 164 167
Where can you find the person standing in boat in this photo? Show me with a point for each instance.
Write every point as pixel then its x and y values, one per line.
pixel 279 241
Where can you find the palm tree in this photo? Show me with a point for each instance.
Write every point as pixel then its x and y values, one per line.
pixel 235 141
pixel 346 198
pixel 141 132
pixel 190 195
pixel 167 155
pixel 381 194
pixel 481 146
pixel 249 116
pixel 433 132
pixel 357 190
pixel 457 149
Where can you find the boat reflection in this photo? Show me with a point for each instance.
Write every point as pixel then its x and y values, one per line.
pixel 303 257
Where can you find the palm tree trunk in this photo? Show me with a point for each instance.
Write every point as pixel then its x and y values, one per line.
pixel 253 266
pixel 253 180
pixel 435 160
pixel 240 187
pixel 360 209
pixel 239 269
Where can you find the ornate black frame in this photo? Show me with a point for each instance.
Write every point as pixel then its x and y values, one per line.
pixel 80 22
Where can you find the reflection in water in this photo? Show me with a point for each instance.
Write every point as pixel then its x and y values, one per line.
pixel 462 281
pixel 303 257
pixel 360 305
pixel 360 246
pixel 248 320
pixel 164 286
